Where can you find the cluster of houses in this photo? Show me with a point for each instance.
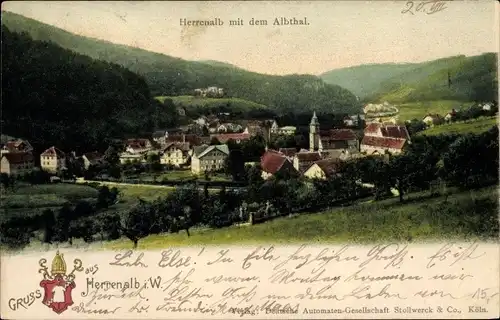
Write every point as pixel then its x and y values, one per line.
pixel 212 92
pixel 328 149
pixel 17 158
pixel 181 149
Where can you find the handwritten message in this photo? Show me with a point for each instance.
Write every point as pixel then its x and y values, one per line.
pixel 451 280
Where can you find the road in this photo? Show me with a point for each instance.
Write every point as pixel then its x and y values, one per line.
pixel 109 183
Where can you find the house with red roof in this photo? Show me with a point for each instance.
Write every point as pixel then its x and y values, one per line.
pixel 236 137
pixel 16 163
pixel 335 139
pixel 16 145
pixel 323 169
pixel 303 160
pixel 53 160
pixel 380 138
pixel 273 162
pixel 289 152
pixel 379 145
pixel 137 146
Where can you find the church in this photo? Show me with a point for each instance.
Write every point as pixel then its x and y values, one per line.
pixel 334 143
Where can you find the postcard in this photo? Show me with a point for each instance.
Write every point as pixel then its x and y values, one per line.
pixel 249 159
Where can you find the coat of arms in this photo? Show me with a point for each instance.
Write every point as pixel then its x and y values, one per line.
pixel 58 285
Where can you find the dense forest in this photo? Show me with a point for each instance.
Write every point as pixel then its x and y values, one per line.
pixel 453 78
pixel 53 96
pixel 169 76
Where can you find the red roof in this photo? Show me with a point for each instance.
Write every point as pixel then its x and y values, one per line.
pixel 272 161
pixel 289 152
pixel 372 128
pixel 308 156
pixel 341 135
pixel 225 137
pixel 395 131
pixel 17 146
pixel 383 142
pixel 329 166
pixel 53 151
pixel 18 157
pixel 137 143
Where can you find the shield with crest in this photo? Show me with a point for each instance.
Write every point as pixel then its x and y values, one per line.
pixel 57 284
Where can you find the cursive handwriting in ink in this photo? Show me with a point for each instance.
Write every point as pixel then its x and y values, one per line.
pixel 173 260
pixel 126 260
pixel 380 252
pixel 324 257
pixel 254 255
pixel 221 257
pixel 96 295
pixel 428 7
pixel 455 254
pixel 401 277
pixel 139 307
pixel 361 292
pixel 284 276
pixel 82 309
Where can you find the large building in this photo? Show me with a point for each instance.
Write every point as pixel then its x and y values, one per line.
pixel 16 163
pixel 332 142
pixel 208 158
pixel 53 160
pixel 380 138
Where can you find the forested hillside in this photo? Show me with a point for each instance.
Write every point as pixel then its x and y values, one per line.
pixel 365 80
pixel 53 96
pixel 169 76
pixel 457 78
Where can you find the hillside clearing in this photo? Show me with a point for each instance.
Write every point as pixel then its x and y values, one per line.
pixel 418 110
pixel 193 102
pixel 473 126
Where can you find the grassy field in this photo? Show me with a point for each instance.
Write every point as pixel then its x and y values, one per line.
pixel 416 220
pixel 180 175
pixel 192 101
pixel 28 199
pixel 418 110
pixel 473 126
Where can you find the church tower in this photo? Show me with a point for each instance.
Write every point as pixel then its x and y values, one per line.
pixel 314 133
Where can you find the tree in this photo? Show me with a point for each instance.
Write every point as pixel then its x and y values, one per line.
pixel 138 222
pixel 154 162
pixel 234 165
pixel 106 197
pixel 16 232
pixel 110 226
pixel 63 224
pixel 83 209
pixel 5 180
pixel 214 141
pixel 48 224
pixel 415 126
pixel 402 173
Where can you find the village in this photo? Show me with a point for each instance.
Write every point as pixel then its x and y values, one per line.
pixel 199 155
pixel 201 148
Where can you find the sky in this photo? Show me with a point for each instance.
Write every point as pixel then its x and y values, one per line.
pixel 340 33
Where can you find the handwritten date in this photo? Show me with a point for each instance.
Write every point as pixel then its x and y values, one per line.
pixel 428 7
